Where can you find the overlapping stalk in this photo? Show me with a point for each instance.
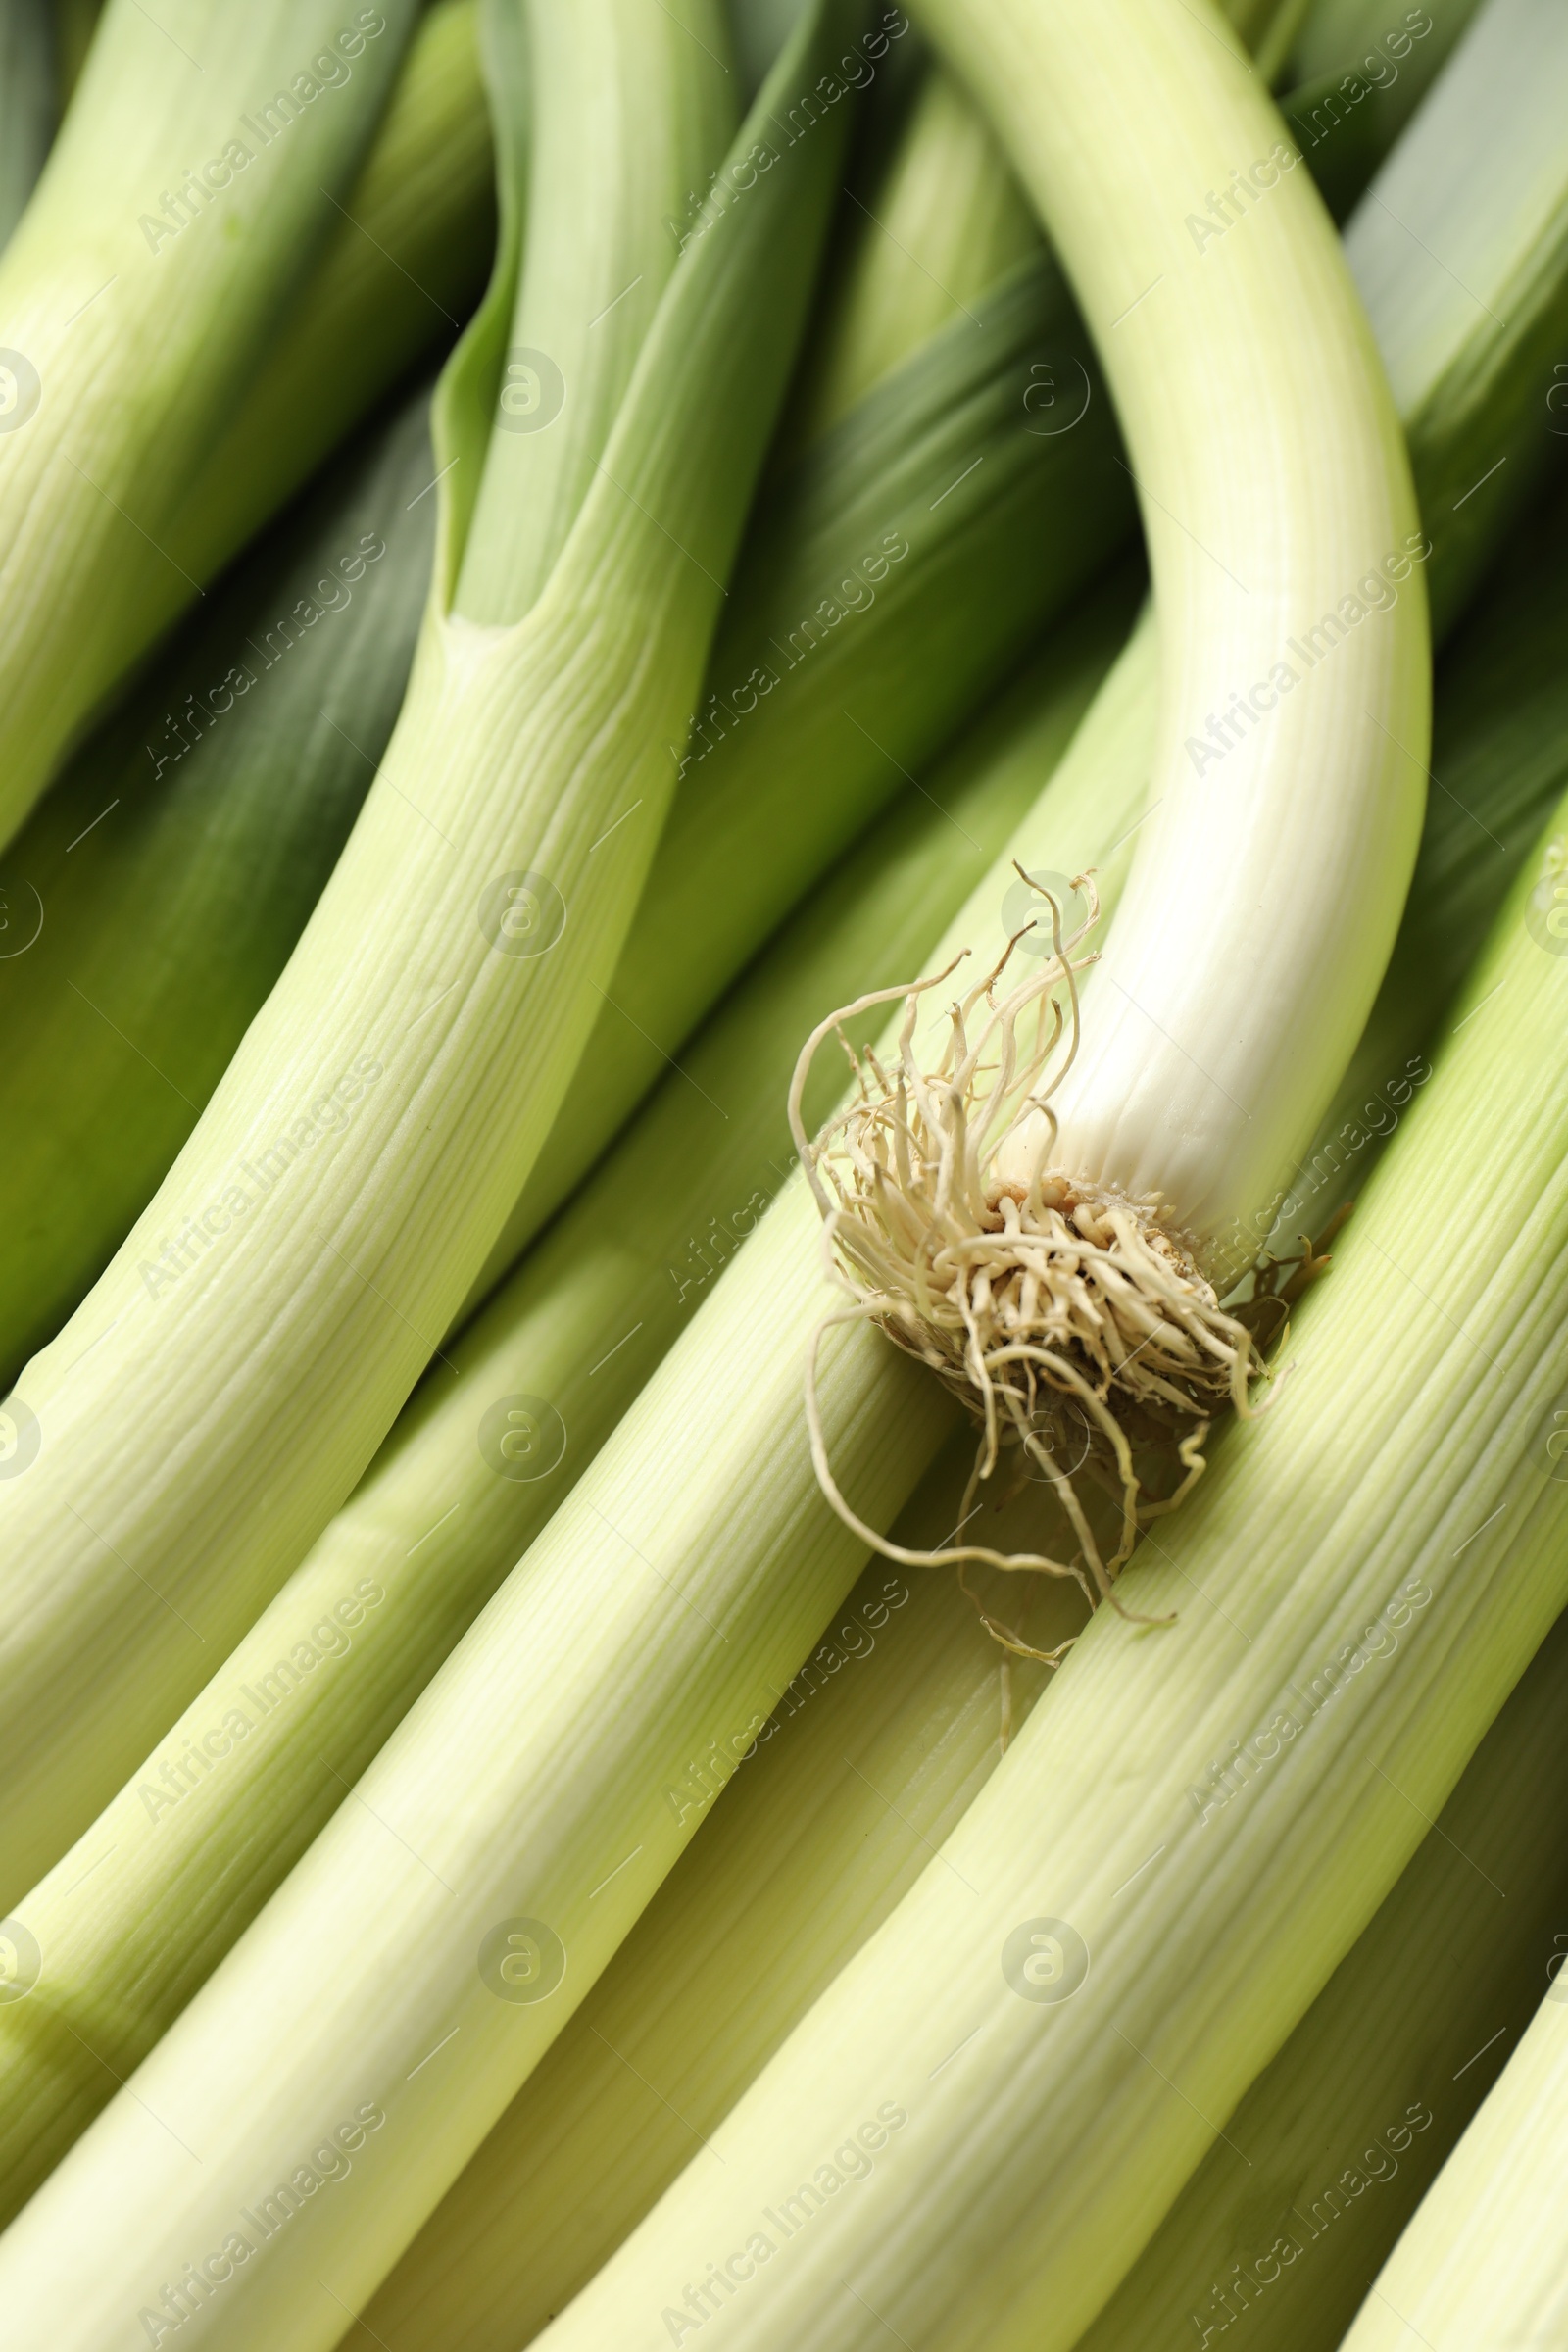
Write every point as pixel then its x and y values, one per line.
pixel 1356 76
pixel 400 270
pixel 1482 2262
pixel 654 1621
pixel 1342 2132
pixel 153 897
pixel 947 222
pixel 1474 377
pixel 900 567
pixel 518 2233
pixel 124 272
pixel 135 1916
pixel 324 1266
pixel 1343 1635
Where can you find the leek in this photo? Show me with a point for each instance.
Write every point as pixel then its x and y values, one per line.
pixel 1344 2129
pixel 400 270
pixel 1235 1792
pixel 1162 1133
pixel 1356 75
pixel 1472 378
pixel 126 270
pixel 281 1342
pixel 945 223
pixel 522 2229
pixel 151 1896
pixel 512 1687
pixel 171 869
pixel 1482 2262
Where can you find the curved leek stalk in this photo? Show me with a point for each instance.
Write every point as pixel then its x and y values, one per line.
pixel 127 271
pixel 156 893
pixel 133 1918
pixel 400 270
pixel 1181 1847
pixel 280 1294
pixel 1476 205
pixel 1345 2128
pixel 522 2230
pixel 1243 961
pixel 1481 2265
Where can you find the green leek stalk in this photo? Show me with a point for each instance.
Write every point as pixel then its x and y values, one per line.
pixel 1481 2264
pixel 155 895
pixel 1233 1792
pixel 944 223
pixel 891 1730
pixel 279 1297
pixel 644 1639
pixel 1346 2128
pixel 1474 380
pixel 537 2212
pixel 459 1488
pixel 597 1832
pixel 882 1740
pixel 1500 763
pixel 126 272
pixel 401 269
pixel 843 663
pixel 27 108
pixel 1356 75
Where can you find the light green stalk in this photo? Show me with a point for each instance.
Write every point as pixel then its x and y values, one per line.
pixel 1499 764
pixel 521 2231
pixel 841 665
pixel 132 1920
pixel 1342 2132
pixel 282 1292
pixel 882 1740
pixel 1481 2265
pixel 656 1618
pixel 119 276
pixel 1476 205
pixel 155 895
pixel 945 221
pixel 400 270
pixel 1188 1838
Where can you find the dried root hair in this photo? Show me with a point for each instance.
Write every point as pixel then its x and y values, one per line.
pixel 1075 1324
